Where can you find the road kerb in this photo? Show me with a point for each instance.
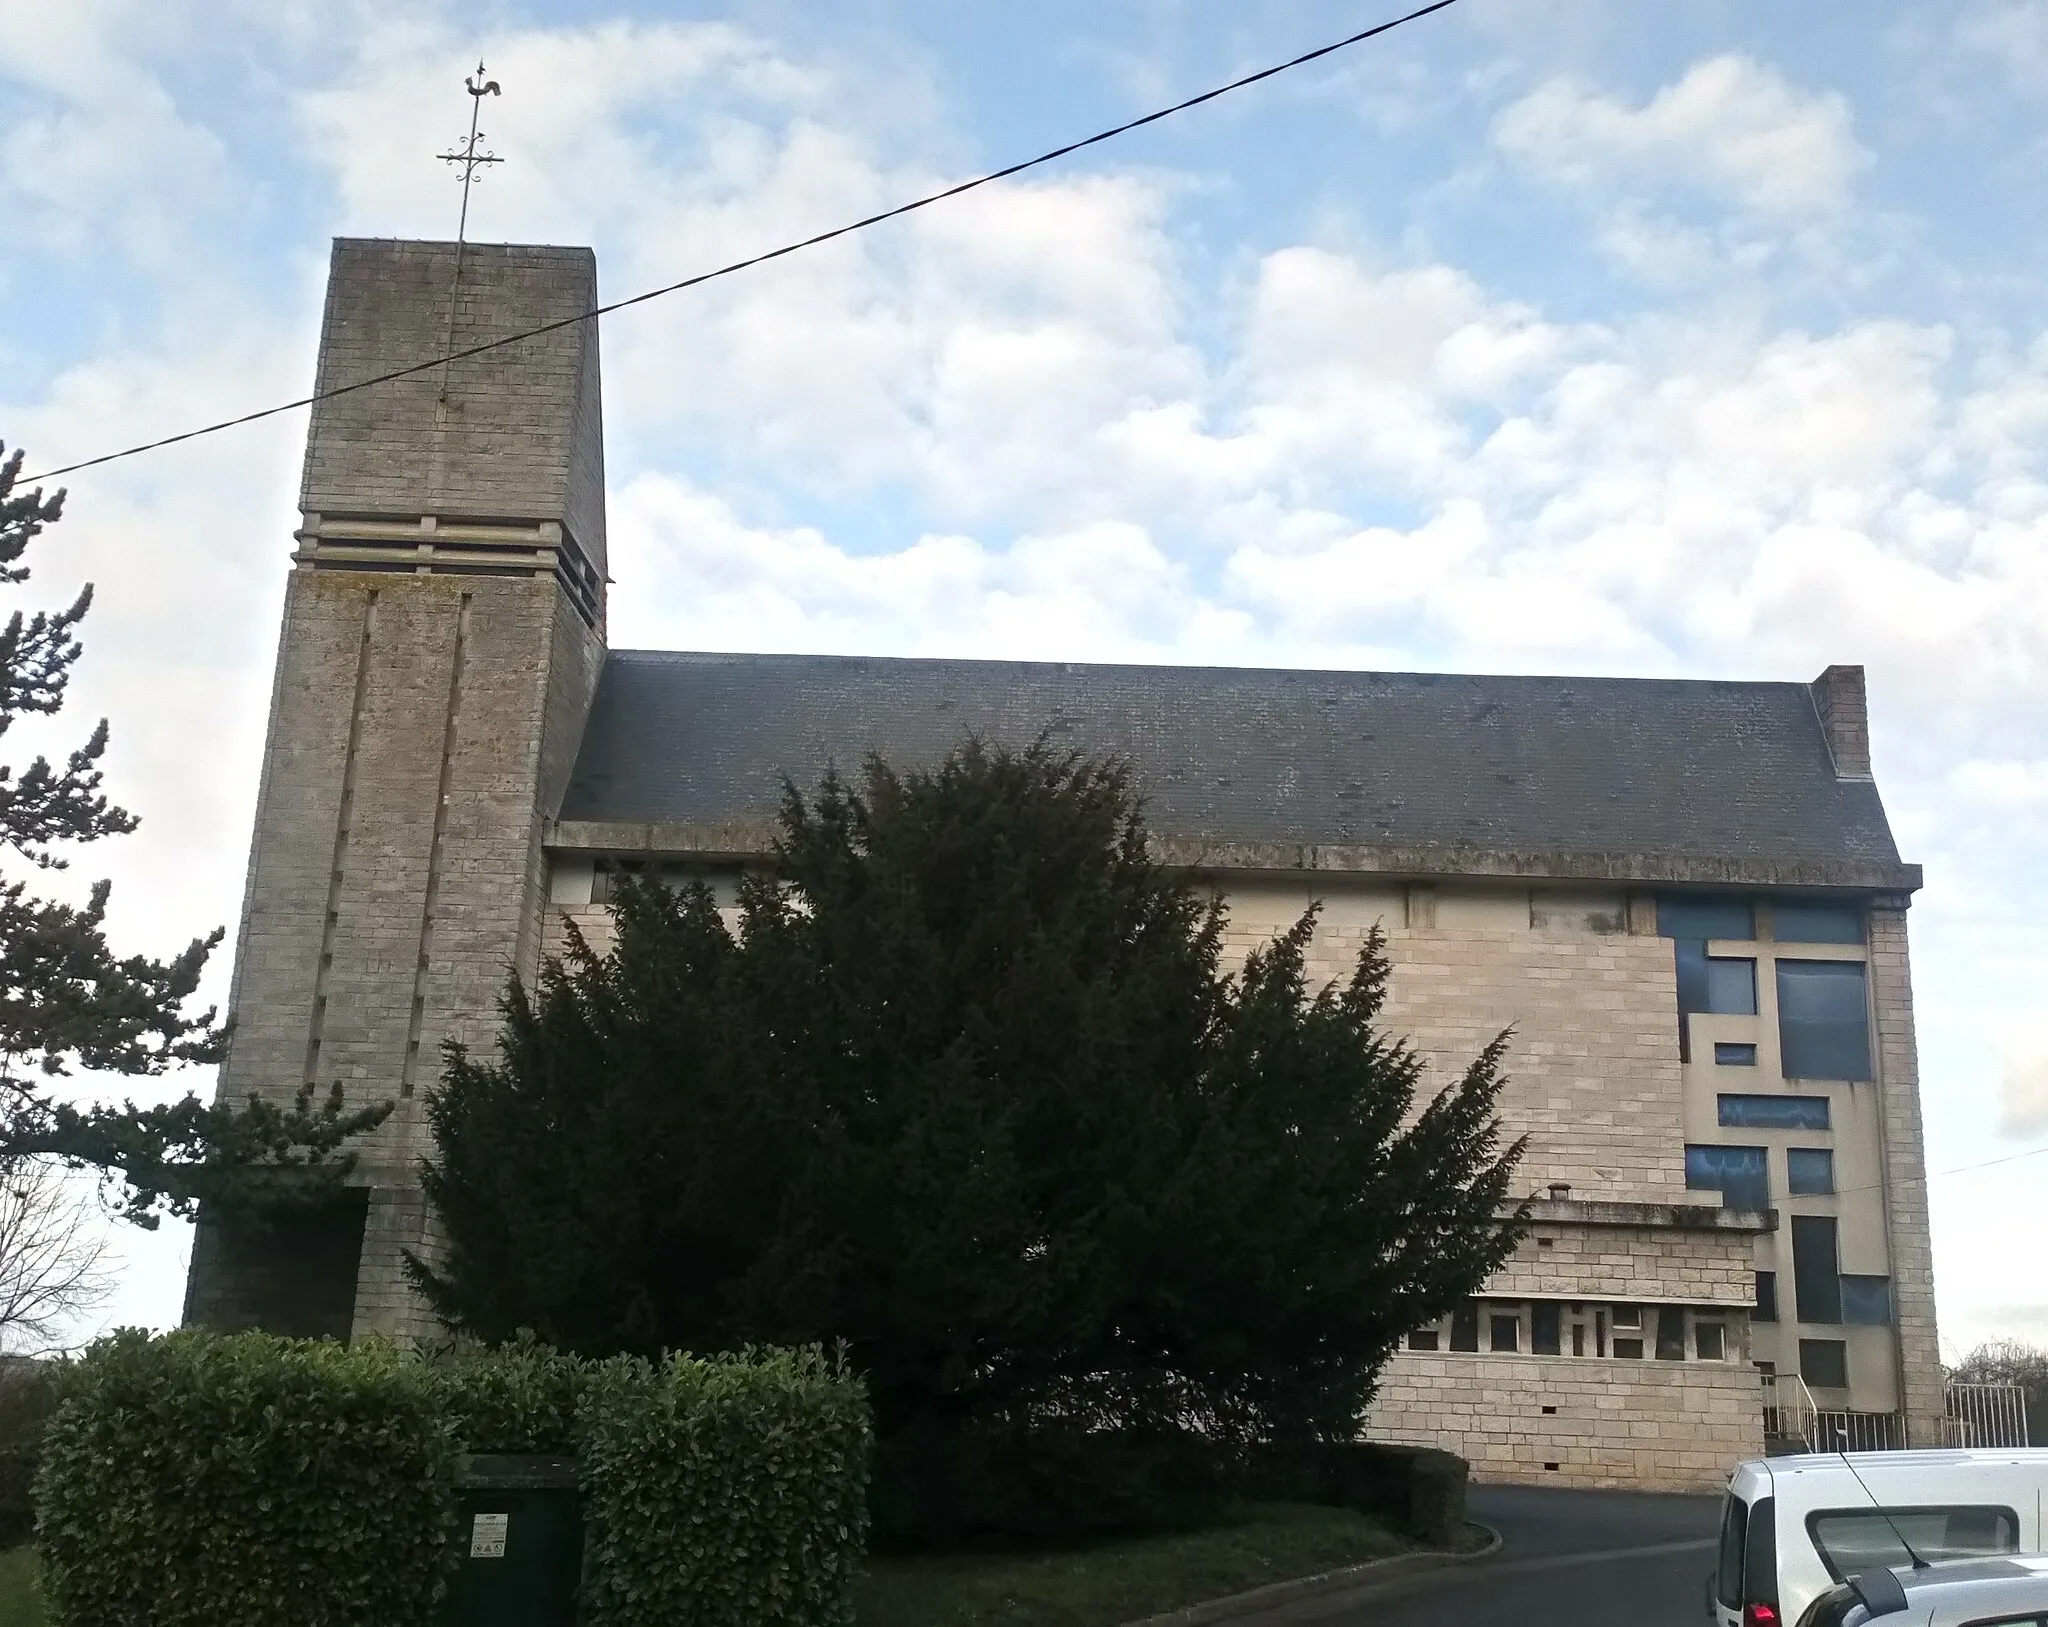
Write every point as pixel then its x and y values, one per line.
pixel 1250 1603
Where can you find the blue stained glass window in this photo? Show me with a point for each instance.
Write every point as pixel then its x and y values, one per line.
pixel 1809 1171
pixel 1681 915
pixel 1740 1174
pixel 1774 1112
pixel 1720 985
pixel 1823 1027
pixel 1805 920
pixel 1867 1300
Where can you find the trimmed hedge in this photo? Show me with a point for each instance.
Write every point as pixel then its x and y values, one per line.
pixel 245 1481
pixel 521 1397
pixel 732 1490
pixel 240 1480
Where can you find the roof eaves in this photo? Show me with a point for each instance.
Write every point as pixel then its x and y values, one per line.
pixel 754 838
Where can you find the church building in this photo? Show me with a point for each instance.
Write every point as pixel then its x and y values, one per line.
pixel 1683 897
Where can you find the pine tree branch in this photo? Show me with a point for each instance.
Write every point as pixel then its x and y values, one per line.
pixel 172 1158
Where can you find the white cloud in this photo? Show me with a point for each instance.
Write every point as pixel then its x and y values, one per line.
pixel 2013 33
pixel 2023 1086
pixel 706 580
pixel 1730 125
pixel 97 155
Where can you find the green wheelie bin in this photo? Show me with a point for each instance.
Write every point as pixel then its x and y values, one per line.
pixel 519 1543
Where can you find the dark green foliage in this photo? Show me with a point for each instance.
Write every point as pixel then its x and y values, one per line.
pixel 240 1480
pixel 941 1482
pixel 197 1480
pixel 28 1396
pixel 67 998
pixel 523 1396
pixel 1414 1489
pixel 971 1092
pixel 729 1491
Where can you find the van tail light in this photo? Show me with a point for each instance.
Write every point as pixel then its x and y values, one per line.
pixel 1761 1615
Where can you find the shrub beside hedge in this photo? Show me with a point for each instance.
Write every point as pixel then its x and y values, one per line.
pixel 939 1487
pixel 1416 1489
pixel 199 1481
pixel 28 1396
pixel 732 1490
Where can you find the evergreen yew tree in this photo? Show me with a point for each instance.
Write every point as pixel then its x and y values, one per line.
pixel 68 999
pixel 972 1090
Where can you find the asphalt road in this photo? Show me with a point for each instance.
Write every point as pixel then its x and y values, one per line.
pixel 1567 1559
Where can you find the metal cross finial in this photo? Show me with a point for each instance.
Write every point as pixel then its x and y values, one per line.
pixel 469 158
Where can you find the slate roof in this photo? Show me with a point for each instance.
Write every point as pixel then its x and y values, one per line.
pixel 1701 770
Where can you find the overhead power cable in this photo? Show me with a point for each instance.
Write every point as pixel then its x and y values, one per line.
pixel 760 259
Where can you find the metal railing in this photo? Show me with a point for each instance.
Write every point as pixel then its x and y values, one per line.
pixel 1984 1415
pixel 1789 1411
pixel 1843 1431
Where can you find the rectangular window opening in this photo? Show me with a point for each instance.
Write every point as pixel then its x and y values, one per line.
pixel 1734 1054
pixel 1773 1112
pixel 1816 1269
pixel 1465 1327
pixel 1809 1171
pixel 1767 1296
pixel 1740 1174
pixel 1867 1301
pixel 1670 1333
pixel 1806 920
pixel 1703 916
pixel 1545 1327
pixel 1824 1363
pixel 1504 1333
pixel 1423 1339
pixel 1710 1341
pixel 1707 984
pixel 1823 1019
pixel 1628 1349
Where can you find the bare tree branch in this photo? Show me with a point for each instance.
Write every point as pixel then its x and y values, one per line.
pixel 52 1254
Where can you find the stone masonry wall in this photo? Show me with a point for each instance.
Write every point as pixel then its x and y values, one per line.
pixel 395 856
pixel 1642 1426
pixel 515 434
pixel 1653 1264
pixel 1592 1067
pixel 1905 1173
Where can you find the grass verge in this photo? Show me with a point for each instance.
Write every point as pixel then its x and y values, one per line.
pixel 1108 1583
pixel 21 1601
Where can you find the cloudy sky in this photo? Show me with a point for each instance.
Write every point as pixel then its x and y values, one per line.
pixel 1701 339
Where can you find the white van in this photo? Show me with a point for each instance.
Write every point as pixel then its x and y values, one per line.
pixel 1792 1527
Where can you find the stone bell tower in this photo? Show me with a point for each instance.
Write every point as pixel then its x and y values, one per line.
pixel 443 634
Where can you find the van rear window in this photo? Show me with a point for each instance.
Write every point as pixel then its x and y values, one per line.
pixel 1851 1540
pixel 1728 1573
